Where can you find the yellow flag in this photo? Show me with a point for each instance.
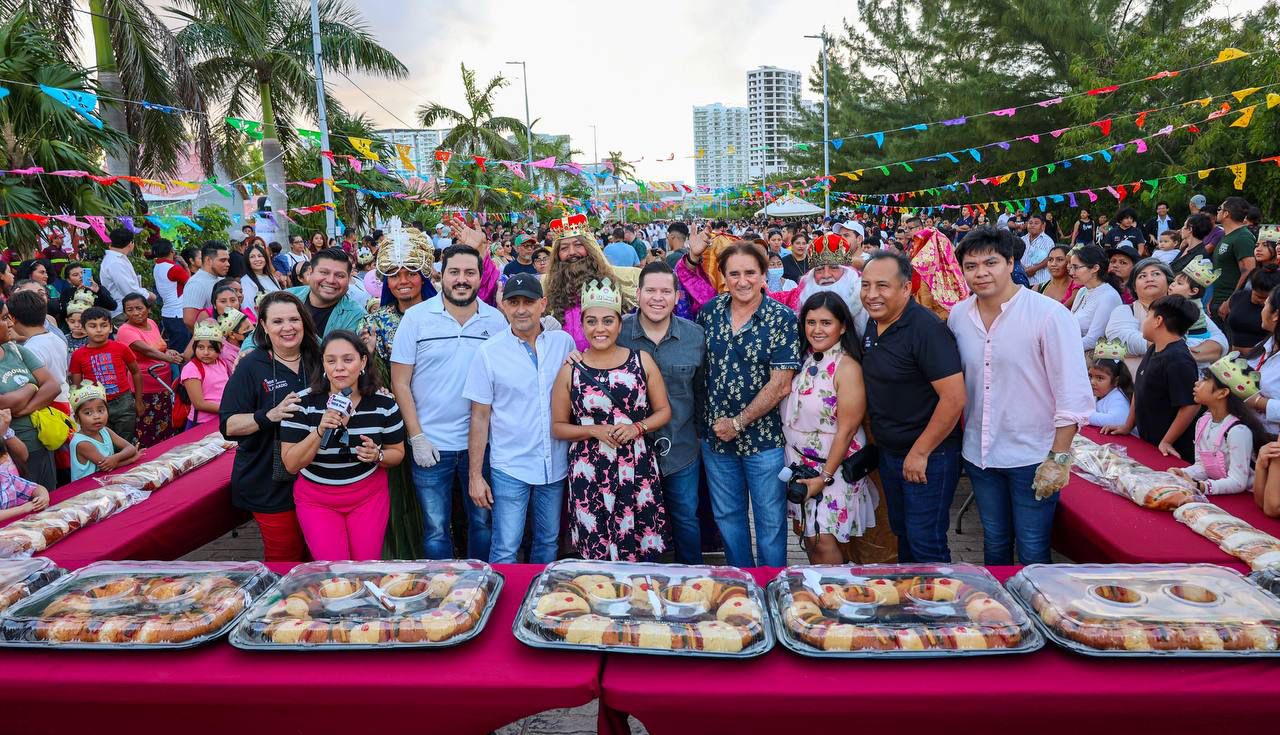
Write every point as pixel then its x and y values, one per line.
pixel 402 152
pixel 701 152
pixel 1240 94
pixel 1205 101
pixel 188 185
pixel 1241 170
pixel 849 175
pixel 1229 54
pixel 731 150
pixel 332 187
pixel 1022 177
pixel 1273 99
pixel 1004 178
pixel 1204 173
pixel 364 147
pixel 1246 116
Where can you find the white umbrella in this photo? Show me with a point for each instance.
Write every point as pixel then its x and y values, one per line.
pixel 790 206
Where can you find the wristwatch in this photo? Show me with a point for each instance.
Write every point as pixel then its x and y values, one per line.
pixel 828 478
pixel 1062 458
pixel 380 456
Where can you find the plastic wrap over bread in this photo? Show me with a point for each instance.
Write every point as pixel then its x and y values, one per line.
pixel 1110 467
pixel 37 532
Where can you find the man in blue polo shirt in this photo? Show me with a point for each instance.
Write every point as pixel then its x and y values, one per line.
pixel 430 360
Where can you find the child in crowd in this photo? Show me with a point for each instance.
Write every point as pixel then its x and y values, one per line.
pixel 1112 384
pixel 111 365
pixel 76 337
pixel 775 280
pixel 235 327
pixel 95 447
pixel 1163 402
pixel 1229 432
pixel 206 375
pixel 1169 246
pixel 18 496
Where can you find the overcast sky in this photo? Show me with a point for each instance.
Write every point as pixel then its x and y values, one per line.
pixel 634 69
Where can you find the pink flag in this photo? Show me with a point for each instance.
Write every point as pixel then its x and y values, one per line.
pixel 70 220
pixel 99 225
pixel 1007 112
pixel 1058 133
pixel 1141 144
pixel 1165 130
pixel 1047 103
pixel 70 173
pixel 548 162
pixel 1092 197
pixel 514 168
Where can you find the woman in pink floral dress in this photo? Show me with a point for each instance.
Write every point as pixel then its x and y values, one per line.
pixel 605 406
pixel 822 423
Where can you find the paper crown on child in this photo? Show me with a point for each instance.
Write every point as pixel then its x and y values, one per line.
pixel 574 225
pixel 1201 271
pixel 1236 374
pixel 364 256
pixel 85 392
pixel 81 301
pixel 230 321
pixel 601 294
pixel 830 249
pixel 1110 349
pixel 209 330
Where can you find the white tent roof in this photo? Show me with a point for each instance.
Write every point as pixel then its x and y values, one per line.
pixel 790 206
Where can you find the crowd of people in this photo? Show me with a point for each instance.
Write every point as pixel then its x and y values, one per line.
pixel 602 390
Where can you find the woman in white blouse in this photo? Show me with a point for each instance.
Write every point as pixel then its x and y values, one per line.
pixel 1150 281
pixel 1264 359
pixel 1098 296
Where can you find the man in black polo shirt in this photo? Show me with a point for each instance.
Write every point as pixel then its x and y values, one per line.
pixel 915 395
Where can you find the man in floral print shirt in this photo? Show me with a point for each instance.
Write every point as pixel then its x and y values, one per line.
pixel 752 352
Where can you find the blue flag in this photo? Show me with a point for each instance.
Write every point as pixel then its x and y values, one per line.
pixel 82 102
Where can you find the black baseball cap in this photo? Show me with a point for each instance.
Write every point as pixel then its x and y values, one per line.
pixel 522 284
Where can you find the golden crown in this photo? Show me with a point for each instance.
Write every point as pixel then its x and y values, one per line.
pixel 1201 271
pixel 1236 374
pixel 208 329
pixel 80 302
pixel 85 392
pixel 575 225
pixel 1110 349
pixel 230 321
pixel 407 249
pixel 601 293
pixel 830 249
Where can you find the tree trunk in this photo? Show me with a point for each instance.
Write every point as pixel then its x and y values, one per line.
pixel 272 158
pixel 112 113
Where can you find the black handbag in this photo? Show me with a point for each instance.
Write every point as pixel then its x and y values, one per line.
pixel 860 464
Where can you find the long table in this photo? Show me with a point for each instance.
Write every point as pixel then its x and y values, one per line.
pixel 177 519
pixel 217 689
pixel 1047 692
pixel 1095 525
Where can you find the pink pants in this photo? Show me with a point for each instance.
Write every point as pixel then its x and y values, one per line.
pixel 343 522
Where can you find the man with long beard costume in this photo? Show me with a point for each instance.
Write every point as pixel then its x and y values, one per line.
pixel 576 259
pixel 830 270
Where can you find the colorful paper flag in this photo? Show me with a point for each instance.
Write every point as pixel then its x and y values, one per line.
pixel 83 103
pixel 1246 116
pixel 1240 170
pixel 402 152
pixel 364 147
pixel 1229 54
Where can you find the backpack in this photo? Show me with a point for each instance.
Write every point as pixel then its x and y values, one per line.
pixel 182 408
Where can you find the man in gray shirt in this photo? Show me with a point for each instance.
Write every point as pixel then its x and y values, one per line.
pixel 197 294
pixel 678 347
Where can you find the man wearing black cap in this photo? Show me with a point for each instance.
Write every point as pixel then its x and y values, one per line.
pixel 509 387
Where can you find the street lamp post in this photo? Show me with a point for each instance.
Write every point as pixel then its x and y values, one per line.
pixel 595 154
pixel 826 132
pixel 528 125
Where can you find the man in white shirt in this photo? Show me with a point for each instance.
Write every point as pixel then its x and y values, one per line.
pixel 118 275
pixel 1035 260
pixel 197 295
pixel 430 360
pixel 1027 392
pixel 510 392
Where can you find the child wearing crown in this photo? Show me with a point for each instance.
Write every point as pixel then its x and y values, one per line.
pixel 205 377
pixel 1229 432
pixel 94 447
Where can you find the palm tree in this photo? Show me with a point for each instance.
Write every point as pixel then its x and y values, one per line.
pixel 549 146
pixel 37 131
pixel 621 168
pixel 247 49
pixel 476 130
pixel 137 59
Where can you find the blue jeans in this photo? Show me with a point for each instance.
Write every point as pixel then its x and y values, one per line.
pixel 732 478
pixel 434 486
pixel 680 493
pixel 511 506
pixel 920 514
pixel 1010 512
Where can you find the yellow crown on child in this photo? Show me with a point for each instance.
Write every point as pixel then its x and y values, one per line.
pixel 601 294
pixel 1110 349
pixel 230 321
pixel 1201 271
pixel 80 302
pixel 85 392
pixel 210 330
pixel 1236 374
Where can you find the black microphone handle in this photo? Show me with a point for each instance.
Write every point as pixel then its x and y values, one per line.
pixel 328 433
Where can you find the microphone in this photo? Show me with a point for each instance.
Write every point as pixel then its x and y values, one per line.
pixel 340 402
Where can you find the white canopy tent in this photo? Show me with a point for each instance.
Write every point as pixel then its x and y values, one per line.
pixel 790 206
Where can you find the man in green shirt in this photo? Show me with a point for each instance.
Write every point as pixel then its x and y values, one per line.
pixel 1234 254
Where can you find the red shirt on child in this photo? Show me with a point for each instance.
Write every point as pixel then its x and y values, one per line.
pixel 108 365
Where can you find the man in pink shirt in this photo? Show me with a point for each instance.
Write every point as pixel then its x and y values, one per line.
pixel 1027 393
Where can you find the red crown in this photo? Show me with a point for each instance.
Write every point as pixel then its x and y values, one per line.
pixel 572 226
pixel 829 249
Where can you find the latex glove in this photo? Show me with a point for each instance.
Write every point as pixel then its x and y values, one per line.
pixel 424 452
pixel 1050 477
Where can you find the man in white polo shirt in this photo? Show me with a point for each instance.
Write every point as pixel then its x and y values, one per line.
pixel 430 359
pixel 510 393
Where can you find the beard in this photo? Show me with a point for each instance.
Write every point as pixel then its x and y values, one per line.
pixel 464 302
pixel 574 275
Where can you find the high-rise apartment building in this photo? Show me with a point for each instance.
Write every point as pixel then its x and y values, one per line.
pixel 422 150
pixel 773 96
pixel 720 145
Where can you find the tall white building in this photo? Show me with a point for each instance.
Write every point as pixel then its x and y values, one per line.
pixel 720 143
pixel 772 100
pixel 422 150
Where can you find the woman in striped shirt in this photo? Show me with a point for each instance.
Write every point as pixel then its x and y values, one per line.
pixel 341 490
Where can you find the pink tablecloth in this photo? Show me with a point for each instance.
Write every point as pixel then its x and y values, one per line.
pixel 216 689
pixel 1094 525
pixel 1047 692
pixel 177 519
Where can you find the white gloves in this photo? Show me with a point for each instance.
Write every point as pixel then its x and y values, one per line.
pixel 424 452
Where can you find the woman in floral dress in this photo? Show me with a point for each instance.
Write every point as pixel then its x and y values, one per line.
pixel 605 406
pixel 820 416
